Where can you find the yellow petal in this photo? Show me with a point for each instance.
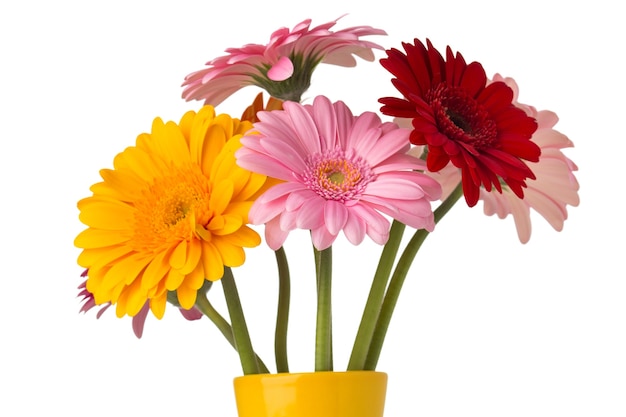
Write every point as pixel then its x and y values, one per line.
pixel 211 262
pixel 226 123
pixel 212 143
pixel 131 300
pixel 239 209
pixel 195 279
pixel 224 225
pixel 88 257
pixel 171 144
pixel 138 161
pixel 231 255
pixel 194 253
pixel 245 237
pixel 155 272
pixel 220 196
pixel 188 290
pixel 122 184
pixel 251 187
pixel 108 256
pixel 173 280
pixel 130 267
pixel 157 306
pixel 179 255
pixel 98 238
pixel 124 271
pixel 186 122
pixel 186 296
pixel 101 213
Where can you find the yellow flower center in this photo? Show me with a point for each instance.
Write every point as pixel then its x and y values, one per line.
pixel 170 208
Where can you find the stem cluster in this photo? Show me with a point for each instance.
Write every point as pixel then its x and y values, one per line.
pixel 382 299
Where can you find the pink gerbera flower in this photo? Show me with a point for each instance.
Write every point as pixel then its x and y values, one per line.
pixel 341 173
pixel 554 188
pixel 284 66
pixel 461 119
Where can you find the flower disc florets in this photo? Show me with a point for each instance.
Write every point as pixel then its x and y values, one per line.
pixel 336 176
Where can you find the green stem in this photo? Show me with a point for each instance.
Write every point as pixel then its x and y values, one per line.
pixel 323 332
pixel 240 329
pixel 397 279
pixel 204 305
pixel 375 298
pixel 282 314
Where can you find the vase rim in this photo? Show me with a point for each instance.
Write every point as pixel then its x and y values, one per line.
pixel 314 374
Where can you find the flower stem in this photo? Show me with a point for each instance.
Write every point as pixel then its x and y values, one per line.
pixel 240 329
pixel 282 314
pixel 375 298
pixel 397 279
pixel 204 305
pixel 323 331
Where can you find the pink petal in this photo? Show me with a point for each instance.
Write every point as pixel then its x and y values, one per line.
pixel 263 164
pixel 374 220
pixel 274 235
pixel 335 216
pixel 307 134
pixel 191 315
pixel 354 229
pixel 326 120
pixel 281 70
pixel 271 203
pixel 394 187
pixel 139 320
pixel 322 238
pixel 311 213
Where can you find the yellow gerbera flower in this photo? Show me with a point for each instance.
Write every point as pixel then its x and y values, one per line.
pixel 172 213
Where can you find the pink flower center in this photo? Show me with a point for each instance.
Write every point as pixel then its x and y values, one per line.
pixel 335 175
pixel 460 117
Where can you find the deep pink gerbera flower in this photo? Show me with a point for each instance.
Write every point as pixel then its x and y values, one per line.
pixel 284 66
pixel 462 119
pixel 340 172
pixel 554 188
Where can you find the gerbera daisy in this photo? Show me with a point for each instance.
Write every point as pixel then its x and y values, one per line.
pixel 284 66
pixel 555 185
pixel 461 119
pixel 172 213
pixel 340 172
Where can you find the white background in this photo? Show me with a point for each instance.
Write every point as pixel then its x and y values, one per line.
pixel 485 326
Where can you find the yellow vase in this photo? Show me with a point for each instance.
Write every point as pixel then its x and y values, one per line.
pixel 313 394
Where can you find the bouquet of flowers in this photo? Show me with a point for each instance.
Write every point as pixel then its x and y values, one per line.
pixel 181 206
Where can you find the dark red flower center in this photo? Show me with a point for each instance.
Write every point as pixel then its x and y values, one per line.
pixel 460 117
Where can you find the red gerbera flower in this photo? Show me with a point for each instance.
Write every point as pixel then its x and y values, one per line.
pixel 461 119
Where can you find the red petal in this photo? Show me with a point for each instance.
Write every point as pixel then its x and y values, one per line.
pixel 474 79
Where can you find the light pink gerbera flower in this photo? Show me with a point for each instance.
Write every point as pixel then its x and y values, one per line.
pixel 284 66
pixel 340 172
pixel 555 185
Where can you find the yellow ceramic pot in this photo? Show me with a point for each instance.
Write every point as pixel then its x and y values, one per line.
pixel 314 394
